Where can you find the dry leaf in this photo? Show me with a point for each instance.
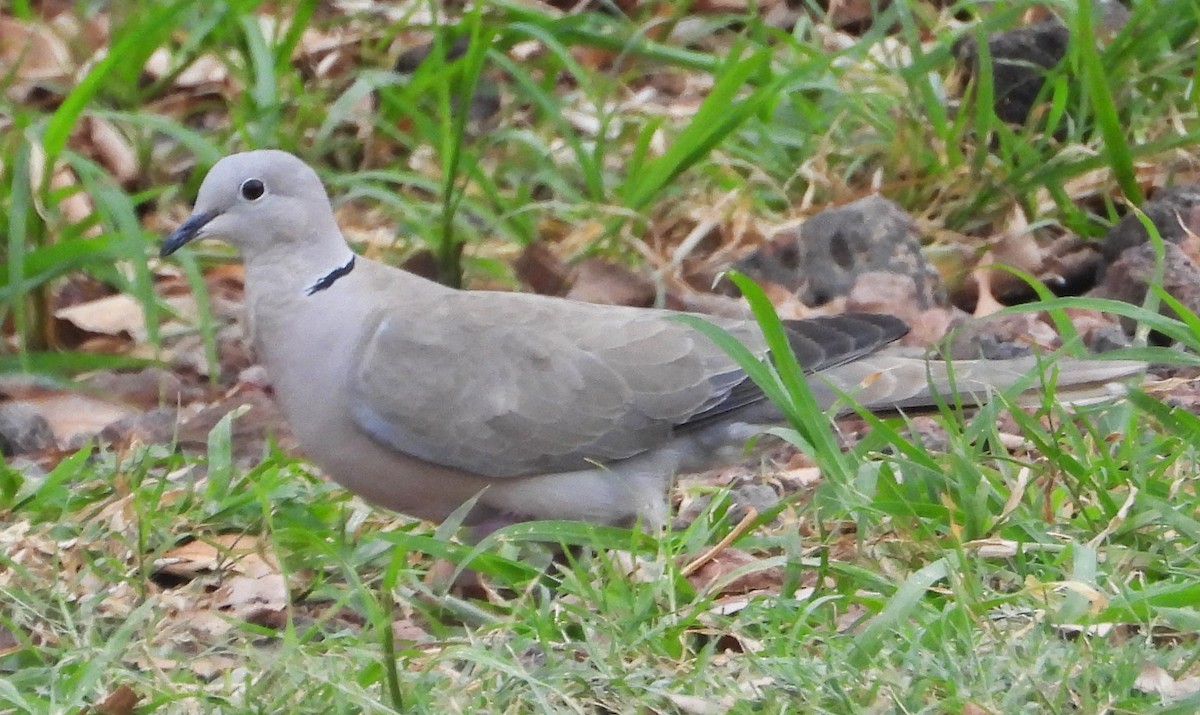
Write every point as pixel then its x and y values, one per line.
pixel 985 302
pixel 798 479
pixel 843 13
pixel 1096 598
pixel 696 705
pixel 111 315
pixel 407 632
pixel 994 548
pixel 121 314
pixel 32 55
pixel 110 148
pixel 718 572
pixel 8 641
pixel 210 666
pixel 250 580
pixel 76 204
pixel 539 268
pixel 597 280
pixel 72 415
pixel 1155 680
pixel 121 701
pixel 203 77
pixel 205 71
pixel 236 552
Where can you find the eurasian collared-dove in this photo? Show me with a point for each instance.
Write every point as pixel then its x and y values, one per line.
pixel 419 397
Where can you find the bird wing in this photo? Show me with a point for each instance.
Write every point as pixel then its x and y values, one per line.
pixel 510 385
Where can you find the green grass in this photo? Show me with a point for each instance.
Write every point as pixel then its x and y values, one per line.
pixel 916 617
pixel 909 580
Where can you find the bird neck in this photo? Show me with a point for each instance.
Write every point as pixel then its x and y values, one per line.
pixel 303 271
pixel 327 280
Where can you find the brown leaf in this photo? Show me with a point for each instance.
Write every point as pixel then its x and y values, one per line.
pixel 32 55
pixel 122 315
pixel 407 632
pixel 209 667
pixel 853 618
pixel 540 269
pixel 205 71
pixel 111 315
pixel 849 13
pixel 719 570
pixel 327 53
pixel 897 294
pixel 8 641
pixel 100 139
pixel 73 415
pixel 250 580
pixel 237 552
pixel 696 705
pixel 260 419
pixel 147 388
pixel 599 281
pixel 985 302
pixel 722 6
pixel 121 701
pixel 76 205
pixel 1155 680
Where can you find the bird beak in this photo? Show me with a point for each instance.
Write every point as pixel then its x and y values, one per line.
pixel 187 232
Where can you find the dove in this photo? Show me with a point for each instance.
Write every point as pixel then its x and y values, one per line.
pixel 420 398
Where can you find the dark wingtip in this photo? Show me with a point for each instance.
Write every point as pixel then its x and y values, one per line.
pixel 830 340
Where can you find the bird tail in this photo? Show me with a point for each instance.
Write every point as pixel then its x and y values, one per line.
pixel 897 382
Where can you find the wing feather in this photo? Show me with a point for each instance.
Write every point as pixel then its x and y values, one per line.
pixel 510 385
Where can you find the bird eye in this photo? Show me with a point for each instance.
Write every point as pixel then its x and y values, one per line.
pixel 253 189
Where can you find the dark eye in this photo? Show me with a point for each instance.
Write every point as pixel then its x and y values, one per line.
pixel 253 189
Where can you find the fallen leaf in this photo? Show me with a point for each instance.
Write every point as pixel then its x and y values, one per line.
pixel 993 548
pixel 121 314
pixel 121 701
pixel 206 70
pixel 75 204
pixel 8 641
pixel 72 415
pixel 734 571
pixel 250 579
pixel 539 268
pixel 597 280
pixel 209 667
pixel 236 552
pixel 1155 680
pixel 111 315
pixel 111 149
pixel 32 55
pixel 696 705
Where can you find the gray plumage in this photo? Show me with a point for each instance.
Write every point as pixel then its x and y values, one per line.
pixel 419 397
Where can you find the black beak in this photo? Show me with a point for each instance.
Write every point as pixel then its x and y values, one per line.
pixel 187 231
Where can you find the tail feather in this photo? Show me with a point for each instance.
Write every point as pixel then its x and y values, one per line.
pixel 896 382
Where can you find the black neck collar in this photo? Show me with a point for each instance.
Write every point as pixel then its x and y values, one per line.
pixel 331 277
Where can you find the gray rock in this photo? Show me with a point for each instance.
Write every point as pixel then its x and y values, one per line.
pixel 23 429
pixel 1128 278
pixel 1023 56
pixel 752 495
pixel 822 259
pixel 1020 60
pixel 1174 212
